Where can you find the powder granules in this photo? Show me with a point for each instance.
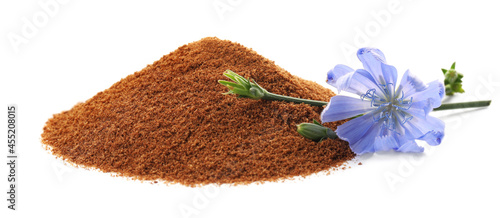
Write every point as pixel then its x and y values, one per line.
pixel 170 122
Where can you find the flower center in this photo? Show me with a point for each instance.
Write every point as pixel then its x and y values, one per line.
pixel 391 107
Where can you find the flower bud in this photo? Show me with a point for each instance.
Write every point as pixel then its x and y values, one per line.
pixel 453 80
pixel 242 87
pixel 315 131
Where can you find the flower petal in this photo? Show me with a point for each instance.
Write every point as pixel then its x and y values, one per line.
pixel 343 107
pixel 429 129
pixel 360 133
pixel 357 82
pixel 372 59
pixel 386 142
pixel 430 97
pixel 390 75
pixel 410 146
pixel 354 129
pixel 435 135
pixel 338 71
pixel 410 84
pixel 367 142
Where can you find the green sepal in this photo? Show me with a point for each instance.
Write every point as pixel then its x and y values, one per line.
pixel 242 86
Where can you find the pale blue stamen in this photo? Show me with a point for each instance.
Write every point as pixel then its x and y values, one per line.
pixel 389 105
pixel 370 94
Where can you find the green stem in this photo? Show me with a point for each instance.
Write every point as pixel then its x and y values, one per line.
pixel 449 106
pixel 463 105
pixel 272 96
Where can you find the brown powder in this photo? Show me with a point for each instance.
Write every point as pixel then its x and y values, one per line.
pixel 170 122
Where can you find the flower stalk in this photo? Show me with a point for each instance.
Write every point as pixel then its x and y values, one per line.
pixel 470 104
pixel 276 97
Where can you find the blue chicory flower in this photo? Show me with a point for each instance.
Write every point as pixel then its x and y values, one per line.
pixel 392 118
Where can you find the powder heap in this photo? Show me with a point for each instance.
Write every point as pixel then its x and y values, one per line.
pixel 170 122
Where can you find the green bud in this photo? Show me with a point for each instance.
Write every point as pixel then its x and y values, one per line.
pixel 453 80
pixel 242 86
pixel 315 131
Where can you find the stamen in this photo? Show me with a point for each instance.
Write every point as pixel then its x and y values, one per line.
pixel 405 105
pixel 387 118
pixel 370 94
pixel 406 119
pixel 385 87
pixel 391 109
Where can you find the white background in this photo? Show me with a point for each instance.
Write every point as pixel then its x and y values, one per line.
pixel 82 47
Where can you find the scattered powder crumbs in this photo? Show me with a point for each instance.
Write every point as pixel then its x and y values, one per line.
pixel 170 122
